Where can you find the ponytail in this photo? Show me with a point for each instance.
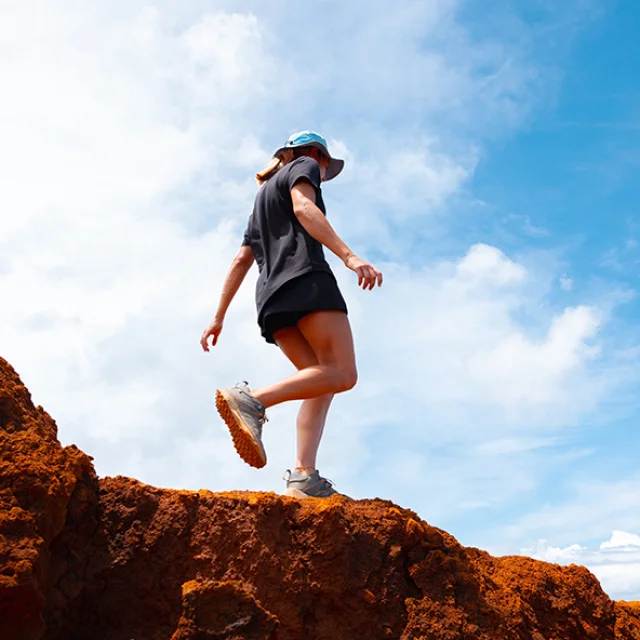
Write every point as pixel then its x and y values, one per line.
pixel 275 164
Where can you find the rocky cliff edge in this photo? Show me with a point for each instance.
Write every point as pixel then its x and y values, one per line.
pixel 83 558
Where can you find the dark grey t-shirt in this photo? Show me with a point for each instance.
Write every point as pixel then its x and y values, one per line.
pixel 282 247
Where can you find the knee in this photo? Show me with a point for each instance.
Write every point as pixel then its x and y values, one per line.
pixel 347 379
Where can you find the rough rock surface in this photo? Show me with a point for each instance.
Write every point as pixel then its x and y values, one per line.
pixel 115 559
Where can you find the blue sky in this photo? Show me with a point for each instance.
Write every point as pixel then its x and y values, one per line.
pixel 491 150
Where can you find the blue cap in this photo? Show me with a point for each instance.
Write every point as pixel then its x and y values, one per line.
pixel 313 139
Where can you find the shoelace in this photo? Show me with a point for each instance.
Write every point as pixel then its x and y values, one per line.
pixel 323 480
pixel 243 383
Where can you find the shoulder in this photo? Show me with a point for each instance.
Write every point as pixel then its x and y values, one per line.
pixel 300 165
pixel 303 168
pixel 304 161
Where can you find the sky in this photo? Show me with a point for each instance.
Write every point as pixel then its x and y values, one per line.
pixel 491 149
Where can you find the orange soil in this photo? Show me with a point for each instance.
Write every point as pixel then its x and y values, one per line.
pixel 114 559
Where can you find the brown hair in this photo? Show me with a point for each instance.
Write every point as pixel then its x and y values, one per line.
pixel 275 164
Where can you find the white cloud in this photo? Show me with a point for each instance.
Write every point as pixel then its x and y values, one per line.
pixel 120 194
pixel 587 509
pixel 521 370
pixel 458 337
pixel 487 265
pixel 616 563
pixel 622 540
pixel 481 394
pixel 422 175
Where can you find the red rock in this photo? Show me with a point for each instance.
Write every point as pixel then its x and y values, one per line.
pixel 115 559
pixel 223 610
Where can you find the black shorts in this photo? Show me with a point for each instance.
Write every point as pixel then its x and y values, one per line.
pixel 314 291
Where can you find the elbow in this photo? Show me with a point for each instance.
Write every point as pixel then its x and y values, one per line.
pixel 243 262
pixel 302 211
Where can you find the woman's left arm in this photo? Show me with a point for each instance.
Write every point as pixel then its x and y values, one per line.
pixel 239 268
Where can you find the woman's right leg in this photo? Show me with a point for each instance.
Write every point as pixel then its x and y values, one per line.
pixel 329 336
pixel 313 411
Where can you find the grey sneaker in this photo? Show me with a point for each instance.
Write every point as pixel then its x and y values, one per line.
pixel 312 486
pixel 245 417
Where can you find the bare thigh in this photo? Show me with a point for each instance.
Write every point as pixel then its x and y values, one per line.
pixel 295 346
pixel 329 336
pixel 322 349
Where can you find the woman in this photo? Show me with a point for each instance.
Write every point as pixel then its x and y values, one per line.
pixel 300 308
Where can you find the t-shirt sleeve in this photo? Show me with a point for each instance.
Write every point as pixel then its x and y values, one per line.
pixel 246 242
pixel 305 169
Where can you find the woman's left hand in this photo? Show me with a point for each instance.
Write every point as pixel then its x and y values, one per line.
pixel 212 330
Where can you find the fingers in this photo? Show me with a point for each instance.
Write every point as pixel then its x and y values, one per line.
pixel 214 333
pixel 368 277
pixel 377 278
pixel 374 278
pixel 368 280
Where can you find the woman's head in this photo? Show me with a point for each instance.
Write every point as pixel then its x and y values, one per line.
pixel 305 143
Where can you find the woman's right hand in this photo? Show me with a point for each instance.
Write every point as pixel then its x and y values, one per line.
pixel 368 275
pixel 212 331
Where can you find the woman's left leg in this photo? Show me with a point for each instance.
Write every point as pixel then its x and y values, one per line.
pixel 313 411
pixel 310 426
pixel 324 350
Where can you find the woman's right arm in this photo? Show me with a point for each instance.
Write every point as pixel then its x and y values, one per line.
pixel 239 268
pixel 303 197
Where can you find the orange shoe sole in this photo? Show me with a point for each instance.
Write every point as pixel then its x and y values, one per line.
pixel 248 449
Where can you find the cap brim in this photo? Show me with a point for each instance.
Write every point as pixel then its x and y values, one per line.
pixel 335 167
